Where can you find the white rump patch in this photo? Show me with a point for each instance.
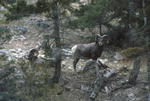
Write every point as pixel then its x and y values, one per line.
pixel 73 49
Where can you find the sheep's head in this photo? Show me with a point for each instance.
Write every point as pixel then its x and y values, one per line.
pixel 102 39
pixel 33 55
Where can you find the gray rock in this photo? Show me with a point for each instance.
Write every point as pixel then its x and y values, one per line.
pixel 13 54
pixel 85 88
pixel 118 56
pixel 21 29
pixel 67 52
pixel 3 8
pixel 43 24
pixel 16 38
pixel 131 97
pixel 2 54
pixel 4 29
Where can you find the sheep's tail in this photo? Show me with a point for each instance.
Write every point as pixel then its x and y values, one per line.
pixel 73 49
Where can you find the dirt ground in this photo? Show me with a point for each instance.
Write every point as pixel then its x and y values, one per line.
pixel 76 85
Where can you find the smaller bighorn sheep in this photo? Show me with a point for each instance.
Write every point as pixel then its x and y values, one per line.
pixel 89 51
pixel 33 55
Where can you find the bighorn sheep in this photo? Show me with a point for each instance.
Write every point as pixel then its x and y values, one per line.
pixel 89 51
pixel 33 55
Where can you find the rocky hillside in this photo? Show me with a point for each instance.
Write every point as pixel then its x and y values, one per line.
pixel 18 37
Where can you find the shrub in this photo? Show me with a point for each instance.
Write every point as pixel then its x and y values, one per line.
pixel 133 52
pixel 31 9
pixel 42 6
pixel 5 33
pixel 19 10
pixel 4 30
pixel 11 17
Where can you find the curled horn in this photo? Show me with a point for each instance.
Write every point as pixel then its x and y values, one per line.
pixel 97 36
pixel 103 36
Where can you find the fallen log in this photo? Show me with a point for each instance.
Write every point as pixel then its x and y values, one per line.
pixel 102 77
pixel 134 72
pixel 94 64
pixel 98 84
pixel 148 76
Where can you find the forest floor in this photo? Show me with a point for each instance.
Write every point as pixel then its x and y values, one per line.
pixel 75 84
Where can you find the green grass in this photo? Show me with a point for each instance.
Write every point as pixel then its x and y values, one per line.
pixel 133 52
pixel 2 21
pixel 3 11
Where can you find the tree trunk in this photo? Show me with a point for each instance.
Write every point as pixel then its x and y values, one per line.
pixel 135 71
pixel 57 64
pixel 56 33
pixel 128 21
pixel 144 12
pixel 148 70
pixel 46 46
pixel 100 29
pixel 98 84
pixel 131 11
pixel 91 30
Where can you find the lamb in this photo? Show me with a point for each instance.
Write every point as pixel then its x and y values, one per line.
pixel 89 51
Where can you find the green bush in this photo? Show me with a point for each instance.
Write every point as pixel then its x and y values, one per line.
pixel 5 33
pixel 133 52
pixel 19 10
pixel 42 6
pixel 18 7
pixel 4 30
pixel 11 17
pixel 31 9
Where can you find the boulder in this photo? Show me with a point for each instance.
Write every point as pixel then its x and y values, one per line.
pixel 118 56
pixel 21 29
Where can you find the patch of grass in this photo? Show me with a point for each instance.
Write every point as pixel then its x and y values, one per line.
pixel 3 11
pixel 133 52
pixel 2 21
pixel 4 29
pixel 5 33
pixel 45 92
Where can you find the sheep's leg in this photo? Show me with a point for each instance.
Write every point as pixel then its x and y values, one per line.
pixel 75 62
pixel 94 58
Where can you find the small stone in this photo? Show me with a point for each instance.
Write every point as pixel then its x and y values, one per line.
pixel 115 61
pixel 118 56
pixel 70 67
pixel 131 97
